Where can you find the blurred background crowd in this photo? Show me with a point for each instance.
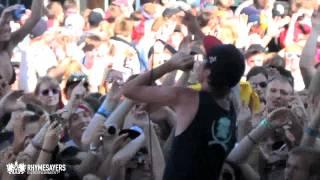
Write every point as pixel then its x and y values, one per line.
pixel 63 101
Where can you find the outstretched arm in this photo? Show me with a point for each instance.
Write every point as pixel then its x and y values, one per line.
pixel 20 34
pixel 309 51
pixel 311 132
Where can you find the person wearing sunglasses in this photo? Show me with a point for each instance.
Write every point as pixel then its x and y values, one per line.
pixel 258 78
pixel 49 93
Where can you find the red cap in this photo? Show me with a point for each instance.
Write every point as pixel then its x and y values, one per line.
pixel 210 42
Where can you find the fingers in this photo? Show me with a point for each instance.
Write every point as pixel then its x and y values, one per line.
pixel 53 125
pixel 120 141
pixel 122 137
pixel 15 94
pixel 101 130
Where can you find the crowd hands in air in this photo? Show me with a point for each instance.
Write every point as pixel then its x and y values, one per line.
pixel 65 91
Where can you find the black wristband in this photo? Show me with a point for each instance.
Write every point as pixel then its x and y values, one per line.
pixel 46 150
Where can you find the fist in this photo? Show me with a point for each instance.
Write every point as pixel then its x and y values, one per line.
pixel 182 61
pixel 280 117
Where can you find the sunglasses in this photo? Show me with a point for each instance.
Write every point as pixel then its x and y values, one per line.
pixel 75 79
pixel 46 91
pixel 261 84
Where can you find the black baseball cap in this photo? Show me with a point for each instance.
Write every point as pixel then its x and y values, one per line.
pixel 227 66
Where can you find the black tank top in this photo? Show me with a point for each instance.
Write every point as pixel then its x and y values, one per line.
pixel 199 152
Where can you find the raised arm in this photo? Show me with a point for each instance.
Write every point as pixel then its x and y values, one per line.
pixel 311 132
pixel 116 143
pixel 275 119
pixel 193 26
pixel 50 142
pixel 153 145
pixel 124 155
pixel 138 89
pixel 309 51
pixel 37 11
pixel 289 39
pixel 106 108
pixel 33 148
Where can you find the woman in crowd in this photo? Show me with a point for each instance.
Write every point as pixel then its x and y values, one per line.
pixel 49 94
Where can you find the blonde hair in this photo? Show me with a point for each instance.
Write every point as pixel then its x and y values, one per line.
pixel 157 24
pixel 72 67
pixel 123 27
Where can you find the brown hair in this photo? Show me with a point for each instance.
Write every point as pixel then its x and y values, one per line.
pixel 274 59
pixel 45 79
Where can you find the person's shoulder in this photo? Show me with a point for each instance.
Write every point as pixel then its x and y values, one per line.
pixel 186 93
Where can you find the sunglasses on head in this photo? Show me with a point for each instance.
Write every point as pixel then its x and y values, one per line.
pixel 74 79
pixel 77 78
pixel 46 91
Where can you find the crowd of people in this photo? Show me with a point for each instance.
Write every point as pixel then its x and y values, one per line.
pixel 174 90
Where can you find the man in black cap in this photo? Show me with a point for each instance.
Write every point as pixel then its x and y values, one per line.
pixel 205 128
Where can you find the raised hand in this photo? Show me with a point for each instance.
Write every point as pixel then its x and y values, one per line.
pixel 7 12
pixel 10 103
pixel 20 135
pixel 115 91
pixel 191 22
pixel 182 61
pixel 98 135
pixel 297 108
pixel 119 142
pixel 280 117
pixel 52 136
pixel 316 20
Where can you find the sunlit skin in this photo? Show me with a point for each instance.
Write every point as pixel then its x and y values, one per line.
pixel 50 99
pixel 278 94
